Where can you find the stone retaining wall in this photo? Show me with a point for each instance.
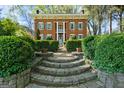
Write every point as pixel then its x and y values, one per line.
pixel 115 80
pixel 19 80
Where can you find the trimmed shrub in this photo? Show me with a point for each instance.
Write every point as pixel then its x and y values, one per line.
pixel 89 45
pixel 73 37
pixel 29 40
pixel 109 54
pixel 71 45
pixel 49 38
pixel 41 44
pixel 14 55
pixel 53 45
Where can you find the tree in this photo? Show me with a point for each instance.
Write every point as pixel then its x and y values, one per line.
pixel 23 13
pixel 57 9
pixel 7 27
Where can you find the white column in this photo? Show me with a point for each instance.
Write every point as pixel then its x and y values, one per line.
pixel 57 30
pixel 63 31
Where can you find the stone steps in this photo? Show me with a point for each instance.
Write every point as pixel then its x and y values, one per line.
pixel 65 81
pixel 92 84
pixel 60 71
pixel 62 59
pixel 63 65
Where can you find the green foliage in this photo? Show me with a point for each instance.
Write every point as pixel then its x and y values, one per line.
pixel 14 54
pixel 53 45
pixel 49 38
pixel 41 44
pixel 37 35
pixel 71 45
pixel 50 45
pixel 29 40
pixel 73 37
pixel 7 27
pixel 109 54
pixel 89 45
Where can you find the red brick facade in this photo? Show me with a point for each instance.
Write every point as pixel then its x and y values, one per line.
pixel 64 24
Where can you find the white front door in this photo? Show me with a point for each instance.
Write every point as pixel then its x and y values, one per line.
pixel 60 39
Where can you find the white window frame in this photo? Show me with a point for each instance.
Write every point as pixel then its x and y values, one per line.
pixel 49 35
pixel 42 36
pixel 41 25
pixel 73 25
pixel 71 35
pixel 81 25
pixel 49 23
pixel 80 35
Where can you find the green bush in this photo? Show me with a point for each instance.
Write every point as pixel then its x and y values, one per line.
pixel 109 54
pixel 29 40
pixel 41 44
pixel 14 55
pixel 53 45
pixel 71 45
pixel 89 45
pixel 49 38
pixel 73 37
pixel 7 27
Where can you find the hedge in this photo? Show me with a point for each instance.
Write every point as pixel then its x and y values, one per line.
pixel 109 54
pixel 41 44
pixel 53 45
pixel 71 45
pixel 50 45
pixel 14 54
pixel 29 40
pixel 89 45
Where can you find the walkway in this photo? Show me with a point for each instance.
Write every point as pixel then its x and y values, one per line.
pixel 63 70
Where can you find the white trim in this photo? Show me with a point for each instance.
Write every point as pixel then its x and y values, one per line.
pixel 63 31
pixel 81 24
pixel 80 35
pixel 73 25
pixel 57 30
pixel 41 26
pixel 49 23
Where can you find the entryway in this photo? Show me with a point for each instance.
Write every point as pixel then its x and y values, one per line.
pixel 60 32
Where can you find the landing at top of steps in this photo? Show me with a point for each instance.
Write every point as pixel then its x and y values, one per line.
pixel 62 58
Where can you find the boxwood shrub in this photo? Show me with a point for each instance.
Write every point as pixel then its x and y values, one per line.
pixel 41 44
pixel 53 45
pixel 89 45
pixel 14 55
pixel 29 40
pixel 71 45
pixel 50 45
pixel 109 54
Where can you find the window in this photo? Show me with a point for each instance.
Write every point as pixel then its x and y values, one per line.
pixel 80 36
pixel 42 36
pixel 72 25
pixel 80 25
pixel 49 26
pixel 72 36
pixel 41 26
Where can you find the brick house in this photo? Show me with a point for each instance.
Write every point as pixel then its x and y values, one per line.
pixel 61 26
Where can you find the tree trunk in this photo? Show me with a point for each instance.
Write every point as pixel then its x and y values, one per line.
pixel 99 25
pixel 121 22
pixel 110 30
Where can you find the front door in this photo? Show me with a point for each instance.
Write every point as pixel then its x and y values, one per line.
pixel 60 39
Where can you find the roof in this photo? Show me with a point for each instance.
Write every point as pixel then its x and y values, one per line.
pixel 60 16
